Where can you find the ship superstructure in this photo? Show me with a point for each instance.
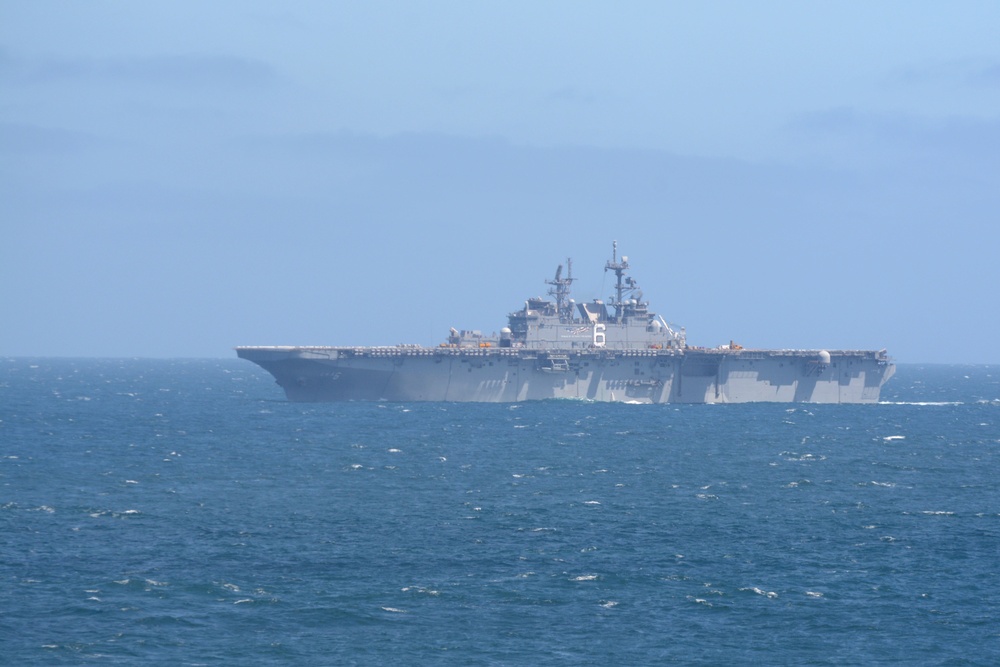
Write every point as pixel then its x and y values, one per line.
pixel 558 348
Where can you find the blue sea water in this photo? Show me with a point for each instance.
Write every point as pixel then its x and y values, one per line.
pixel 183 513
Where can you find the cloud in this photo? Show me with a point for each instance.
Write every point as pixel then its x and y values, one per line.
pixel 990 75
pixel 961 145
pixel 24 138
pixel 965 72
pixel 719 245
pixel 572 95
pixel 174 71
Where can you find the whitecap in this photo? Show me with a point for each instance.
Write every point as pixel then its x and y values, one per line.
pixel 814 594
pixel 890 438
pixel 609 604
pixel 759 591
pixel 393 610
pixel 585 577
pixel 795 456
pixel 395 451
pixel 921 403
pixel 592 502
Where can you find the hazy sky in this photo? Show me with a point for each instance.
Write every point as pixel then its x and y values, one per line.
pixel 180 177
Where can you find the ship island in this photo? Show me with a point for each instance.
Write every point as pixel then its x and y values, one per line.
pixel 559 349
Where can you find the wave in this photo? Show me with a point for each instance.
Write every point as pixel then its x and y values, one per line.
pixel 921 402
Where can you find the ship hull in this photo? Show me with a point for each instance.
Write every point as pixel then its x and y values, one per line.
pixel 327 374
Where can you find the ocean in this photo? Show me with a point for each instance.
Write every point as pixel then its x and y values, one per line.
pixel 181 512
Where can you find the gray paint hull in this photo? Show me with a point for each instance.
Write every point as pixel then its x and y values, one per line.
pixel 323 374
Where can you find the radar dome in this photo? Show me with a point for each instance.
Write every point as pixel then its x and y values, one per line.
pixel 824 357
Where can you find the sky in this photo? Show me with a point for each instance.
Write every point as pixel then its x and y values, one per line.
pixel 178 178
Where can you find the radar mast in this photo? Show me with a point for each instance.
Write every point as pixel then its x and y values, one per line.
pixel 560 290
pixel 623 284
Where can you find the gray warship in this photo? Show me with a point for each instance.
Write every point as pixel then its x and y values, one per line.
pixel 559 349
